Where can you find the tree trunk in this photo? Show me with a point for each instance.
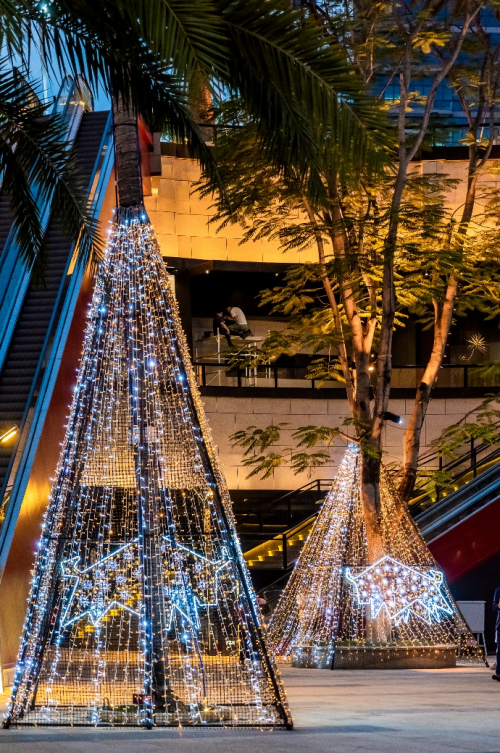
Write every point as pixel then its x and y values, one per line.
pixel 370 500
pixel 127 155
pixel 442 324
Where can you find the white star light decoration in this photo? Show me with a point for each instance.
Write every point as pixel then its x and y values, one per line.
pixel 186 596
pixel 99 587
pixel 401 591
pixel 109 584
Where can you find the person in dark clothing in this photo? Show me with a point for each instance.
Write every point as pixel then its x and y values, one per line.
pixel 219 325
pixel 496 608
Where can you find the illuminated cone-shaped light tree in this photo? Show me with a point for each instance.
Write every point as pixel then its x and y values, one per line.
pixel 141 611
pixel 340 608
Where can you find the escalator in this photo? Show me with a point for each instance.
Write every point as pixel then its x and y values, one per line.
pixel 461 530
pixel 41 322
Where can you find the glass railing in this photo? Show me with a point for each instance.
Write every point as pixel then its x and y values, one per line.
pixel 215 374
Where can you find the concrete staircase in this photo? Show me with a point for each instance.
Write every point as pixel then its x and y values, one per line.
pixel 282 550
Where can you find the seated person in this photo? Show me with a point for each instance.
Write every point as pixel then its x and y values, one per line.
pixel 220 326
pixel 237 321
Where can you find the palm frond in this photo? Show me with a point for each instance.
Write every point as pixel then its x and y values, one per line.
pixel 38 167
pixel 297 86
pixel 294 82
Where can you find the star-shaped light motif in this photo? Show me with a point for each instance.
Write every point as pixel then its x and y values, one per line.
pixel 194 583
pixel 401 591
pixel 100 587
pixel 190 582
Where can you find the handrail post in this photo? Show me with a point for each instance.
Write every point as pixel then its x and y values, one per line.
pixel 275 369
pixel 238 376
pixel 285 558
pixel 289 511
pixel 466 375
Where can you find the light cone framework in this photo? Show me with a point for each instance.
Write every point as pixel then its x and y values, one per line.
pixel 141 610
pixel 345 606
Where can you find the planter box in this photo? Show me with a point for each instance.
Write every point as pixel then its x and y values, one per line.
pixel 395 657
pixel 312 657
pixel 375 657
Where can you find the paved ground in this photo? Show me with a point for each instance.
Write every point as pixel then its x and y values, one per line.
pixel 346 711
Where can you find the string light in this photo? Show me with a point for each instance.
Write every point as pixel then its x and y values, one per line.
pixel 141 610
pixel 401 591
pixel 342 604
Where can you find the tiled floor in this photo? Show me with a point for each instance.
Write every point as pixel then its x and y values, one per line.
pixel 378 711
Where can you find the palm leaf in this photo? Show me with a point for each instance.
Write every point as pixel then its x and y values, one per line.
pixel 36 167
pixel 293 82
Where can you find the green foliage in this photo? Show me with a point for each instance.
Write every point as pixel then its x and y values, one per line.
pixel 358 228
pixel 37 166
pixel 293 85
pixel 482 424
pixel 309 436
pixel 253 439
pixel 290 81
pixel 433 482
pixel 265 464
pixel 305 461
pixel 325 369
pixel 369 450
pixel 430 248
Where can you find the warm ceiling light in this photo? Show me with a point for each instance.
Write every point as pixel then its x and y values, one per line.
pixel 9 434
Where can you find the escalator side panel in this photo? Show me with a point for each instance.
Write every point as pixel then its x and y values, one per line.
pixel 24 386
pixel 470 542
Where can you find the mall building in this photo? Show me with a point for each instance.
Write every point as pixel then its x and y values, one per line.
pixel 41 335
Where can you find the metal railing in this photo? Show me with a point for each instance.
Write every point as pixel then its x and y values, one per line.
pixel 474 457
pixel 218 373
pixel 287 506
pixel 285 544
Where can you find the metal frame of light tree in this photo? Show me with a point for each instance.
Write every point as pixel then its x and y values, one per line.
pixel 336 597
pixel 141 610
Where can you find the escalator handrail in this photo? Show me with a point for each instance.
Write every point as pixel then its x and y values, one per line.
pixel 485 487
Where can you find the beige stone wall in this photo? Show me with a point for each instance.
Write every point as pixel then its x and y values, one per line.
pixel 457 170
pixel 181 220
pixel 181 217
pixel 227 415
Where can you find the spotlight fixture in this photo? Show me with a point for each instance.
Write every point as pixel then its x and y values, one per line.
pixel 9 434
pixel 388 416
